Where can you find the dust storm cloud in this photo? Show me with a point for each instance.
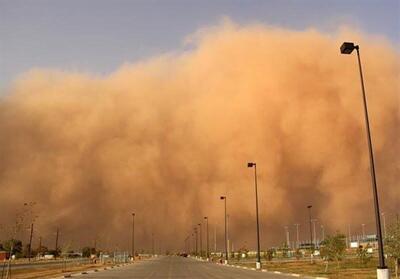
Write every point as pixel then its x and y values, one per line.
pixel 165 137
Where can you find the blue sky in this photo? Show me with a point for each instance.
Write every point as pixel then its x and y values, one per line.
pixel 99 35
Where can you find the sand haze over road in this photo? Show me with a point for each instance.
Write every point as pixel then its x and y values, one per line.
pixel 166 136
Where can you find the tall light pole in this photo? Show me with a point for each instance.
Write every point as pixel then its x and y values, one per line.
pixel 287 237
pixel 363 231
pixel 195 233
pixel 314 231
pixel 258 263
pixel 30 243
pixel 152 244
pixel 311 235
pixel 56 250
pixel 384 224
pixel 297 235
pixel 226 238
pixel 382 271
pixel 208 239
pixel 133 236
pixel 201 240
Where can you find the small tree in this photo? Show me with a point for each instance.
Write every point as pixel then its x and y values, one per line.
pixel 14 246
pixel 88 251
pixel 392 243
pixel 298 254
pixel 285 250
pixel 333 249
pixel 269 255
pixel 363 255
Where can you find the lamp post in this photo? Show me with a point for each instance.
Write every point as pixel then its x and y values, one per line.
pixel 314 232
pixel 226 239
pixel 311 235
pixel 382 271
pixel 201 240
pixel 56 250
pixel 258 263
pixel 208 253
pixel 133 236
pixel 30 243
pixel 297 235
pixel 195 233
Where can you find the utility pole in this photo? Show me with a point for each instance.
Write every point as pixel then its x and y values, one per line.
pixel 287 236
pixel 315 232
pixel 349 231
pixel 195 232
pixel 226 238
pixel 133 236
pixel 215 238
pixel 384 224
pixel 30 243
pixel 40 244
pixel 201 240
pixel 311 235
pixel 152 243
pixel 297 235
pixel 56 252
pixel 363 231
pixel 207 236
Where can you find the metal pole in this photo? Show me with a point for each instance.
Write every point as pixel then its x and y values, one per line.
pixel 30 243
pixel 311 235
pixel 208 253
pixel 372 169
pixel 201 241
pixel 363 231
pixel 297 235
pixel 258 264
pixel 197 251
pixel 226 236
pixel 133 236
pixel 287 236
pixel 152 243
pixel 56 252
pixel 384 224
pixel 40 245
pixel 315 232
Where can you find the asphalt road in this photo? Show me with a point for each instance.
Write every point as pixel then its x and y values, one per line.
pixel 179 267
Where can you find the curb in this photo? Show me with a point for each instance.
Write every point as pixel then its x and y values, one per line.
pixel 274 272
pixel 70 275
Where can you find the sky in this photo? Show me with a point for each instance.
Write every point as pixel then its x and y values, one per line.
pixel 97 36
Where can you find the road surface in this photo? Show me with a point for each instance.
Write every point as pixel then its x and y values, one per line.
pixel 179 267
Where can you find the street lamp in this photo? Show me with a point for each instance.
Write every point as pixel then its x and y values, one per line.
pixel 226 239
pixel 195 233
pixel 258 263
pixel 382 270
pixel 56 250
pixel 311 235
pixel 208 254
pixel 201 240
pixel 133 236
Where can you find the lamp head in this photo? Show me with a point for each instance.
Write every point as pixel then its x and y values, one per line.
pixel 251 164
pixel 347 48
pixel 309 206
pixel 206 218
pixel 222 197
